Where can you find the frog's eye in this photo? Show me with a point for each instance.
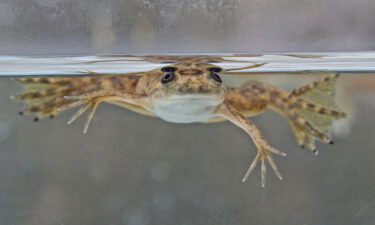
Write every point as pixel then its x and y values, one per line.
pixel 167 77
pixel 168 69
pixel 214 74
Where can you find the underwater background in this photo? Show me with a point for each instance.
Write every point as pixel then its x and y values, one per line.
pixel 136 170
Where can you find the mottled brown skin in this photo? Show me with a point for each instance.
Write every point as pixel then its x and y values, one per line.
pixel 148 93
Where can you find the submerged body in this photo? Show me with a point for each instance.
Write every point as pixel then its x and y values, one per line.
pixel 187 92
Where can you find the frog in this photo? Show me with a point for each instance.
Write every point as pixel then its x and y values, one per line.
pixel 189 92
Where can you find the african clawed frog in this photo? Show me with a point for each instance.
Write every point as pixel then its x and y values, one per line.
pixel 187 92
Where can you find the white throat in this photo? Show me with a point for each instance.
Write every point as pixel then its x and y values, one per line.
pixel 186 109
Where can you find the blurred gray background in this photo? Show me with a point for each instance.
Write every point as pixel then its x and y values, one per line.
pixel 170 26
pixel 136 170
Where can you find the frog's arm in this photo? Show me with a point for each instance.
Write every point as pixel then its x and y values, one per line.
pixel 93 100
pixel 265 150
pixel 48 96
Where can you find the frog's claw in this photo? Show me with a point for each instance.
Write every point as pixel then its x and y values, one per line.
pixel 264 149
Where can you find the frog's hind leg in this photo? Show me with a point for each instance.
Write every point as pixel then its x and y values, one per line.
pixel 304 131
pixel 302 136
pixel 318 96
pixel 310 110
pixel 317 108
pixel 329 80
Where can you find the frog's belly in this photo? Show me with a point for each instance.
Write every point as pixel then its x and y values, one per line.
pixel 186 110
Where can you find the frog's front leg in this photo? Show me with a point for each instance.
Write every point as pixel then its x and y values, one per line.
pixel 93 100
pixel 264 149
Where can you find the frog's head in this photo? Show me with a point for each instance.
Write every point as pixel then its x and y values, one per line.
pixel 186 88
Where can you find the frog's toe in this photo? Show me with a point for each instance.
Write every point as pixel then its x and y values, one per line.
pixel 86 102
pixel 303 137
pixel 263 156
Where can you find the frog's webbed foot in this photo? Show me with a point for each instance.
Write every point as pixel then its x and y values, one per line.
pixel 264 149
pixel 310 110
pixel 303 136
